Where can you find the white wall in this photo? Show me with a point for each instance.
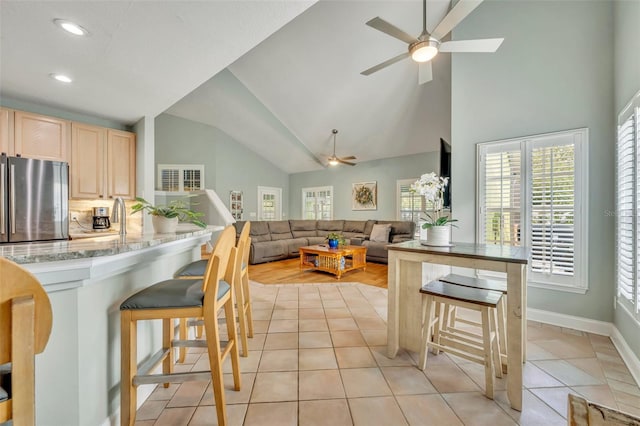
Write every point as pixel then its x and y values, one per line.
pixel 554 71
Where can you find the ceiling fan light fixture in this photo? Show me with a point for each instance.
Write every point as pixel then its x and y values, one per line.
pixel 333 162
pixel 424 51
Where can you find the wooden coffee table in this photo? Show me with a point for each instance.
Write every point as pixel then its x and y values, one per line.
pixel 333 260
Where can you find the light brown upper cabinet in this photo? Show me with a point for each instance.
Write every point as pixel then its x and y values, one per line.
pixel 103 163
pixel 38 136
pixel 6 131
pixel 121 164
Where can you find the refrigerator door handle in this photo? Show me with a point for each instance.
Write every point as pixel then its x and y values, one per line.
pixel 2 185
pixel 12 202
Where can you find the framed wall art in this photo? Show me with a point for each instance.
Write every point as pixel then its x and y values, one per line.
pixel 364 196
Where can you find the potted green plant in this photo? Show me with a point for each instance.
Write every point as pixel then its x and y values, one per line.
pixel 335 239
pixel 165 218
pixel 437 225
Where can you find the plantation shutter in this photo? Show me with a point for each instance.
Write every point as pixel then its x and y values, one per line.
pixel 627 195
pixel 180 177
pixel 552 230
pixel 170 180
pixel 410 204
pixel 500 198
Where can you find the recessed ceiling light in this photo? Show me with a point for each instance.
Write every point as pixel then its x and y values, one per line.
pixel 60 77
pixel 71 27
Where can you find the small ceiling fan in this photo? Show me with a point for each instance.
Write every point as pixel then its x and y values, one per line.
pixel 333 160
pixel 426 46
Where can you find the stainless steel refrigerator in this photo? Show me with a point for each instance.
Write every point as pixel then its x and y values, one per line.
pixel 34 200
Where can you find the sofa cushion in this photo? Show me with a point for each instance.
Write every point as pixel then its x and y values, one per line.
pixel 353 228
pixel 267 251
pixel 380 233
pixel 326 226
pixel 400 230
pixel 376 250
pixel 294 244
pixel 368 227
pixel 280 230
pixel 259 232
pixel 316 240
pixel 303 228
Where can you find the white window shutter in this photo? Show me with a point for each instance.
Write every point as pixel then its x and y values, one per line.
pixel 500 199
pixel 552 209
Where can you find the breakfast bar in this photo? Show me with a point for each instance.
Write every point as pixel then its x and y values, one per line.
pixel 411 265
pixel 78 374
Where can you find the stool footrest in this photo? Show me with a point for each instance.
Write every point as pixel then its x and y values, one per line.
pixel 194 376
pixel 152 362
pixel 189 343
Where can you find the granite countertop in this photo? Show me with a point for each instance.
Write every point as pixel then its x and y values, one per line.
pixel 51 251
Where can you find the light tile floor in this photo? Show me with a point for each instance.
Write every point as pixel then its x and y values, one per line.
pixel 318 358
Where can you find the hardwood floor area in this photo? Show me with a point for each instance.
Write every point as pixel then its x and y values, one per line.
pixel 288 272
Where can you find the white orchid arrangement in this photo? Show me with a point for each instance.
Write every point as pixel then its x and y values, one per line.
pixel 431 187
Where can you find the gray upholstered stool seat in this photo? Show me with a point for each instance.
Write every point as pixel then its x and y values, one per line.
pixel 171 294
pixel 195 269
pixel 5 381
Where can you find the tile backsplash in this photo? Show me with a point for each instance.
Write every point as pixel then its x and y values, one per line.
pixel 83 210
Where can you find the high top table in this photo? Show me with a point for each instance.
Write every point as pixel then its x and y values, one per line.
pixel 411 265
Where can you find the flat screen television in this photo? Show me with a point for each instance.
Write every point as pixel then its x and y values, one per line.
pixel 445 169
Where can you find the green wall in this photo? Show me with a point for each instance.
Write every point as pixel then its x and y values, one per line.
pixel 553 72
pixel 228 164
pixel 627 84
pixel 386 172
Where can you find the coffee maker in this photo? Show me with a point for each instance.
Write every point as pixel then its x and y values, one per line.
pixel 101 218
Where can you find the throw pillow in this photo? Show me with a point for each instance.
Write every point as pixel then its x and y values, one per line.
pixel 380 233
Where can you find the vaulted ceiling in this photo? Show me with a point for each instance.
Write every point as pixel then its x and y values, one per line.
pixel 275 75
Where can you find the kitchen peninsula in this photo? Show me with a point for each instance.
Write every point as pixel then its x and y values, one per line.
pixel 78 374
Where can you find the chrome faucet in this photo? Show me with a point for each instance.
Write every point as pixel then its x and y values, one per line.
pixel 119 211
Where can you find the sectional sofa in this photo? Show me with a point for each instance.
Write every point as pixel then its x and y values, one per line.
pixel 277 240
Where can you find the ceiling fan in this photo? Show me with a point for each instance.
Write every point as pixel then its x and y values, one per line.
pixel 423 48
pixel 333 160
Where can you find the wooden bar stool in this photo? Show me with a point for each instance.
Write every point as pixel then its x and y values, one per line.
pixel 491 285
pixel 241 291
pixel 25 326
pixel 483 349
pixel 182 299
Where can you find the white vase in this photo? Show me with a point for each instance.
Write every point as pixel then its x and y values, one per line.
pixel 423 232
pixel 439 236
pixel 163 225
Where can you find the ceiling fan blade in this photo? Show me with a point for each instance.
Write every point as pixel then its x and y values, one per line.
pixel 351 157
pixel 454 17
pixel 425 73
pixel 385 64
pixel 487 45
pixel 345 162
pixel 390 29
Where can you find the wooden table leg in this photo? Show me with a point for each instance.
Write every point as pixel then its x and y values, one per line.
pixel 393 337
pixel 516 281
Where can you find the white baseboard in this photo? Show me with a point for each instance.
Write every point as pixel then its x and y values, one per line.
pixel 602 328
pixel 144 392
pixel 591 326
pixel 629 358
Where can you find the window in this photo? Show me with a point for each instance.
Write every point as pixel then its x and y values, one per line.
pixel 533 192
pixel 180 177
pixel 410 204
pixel 628 206
pixel 317 203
